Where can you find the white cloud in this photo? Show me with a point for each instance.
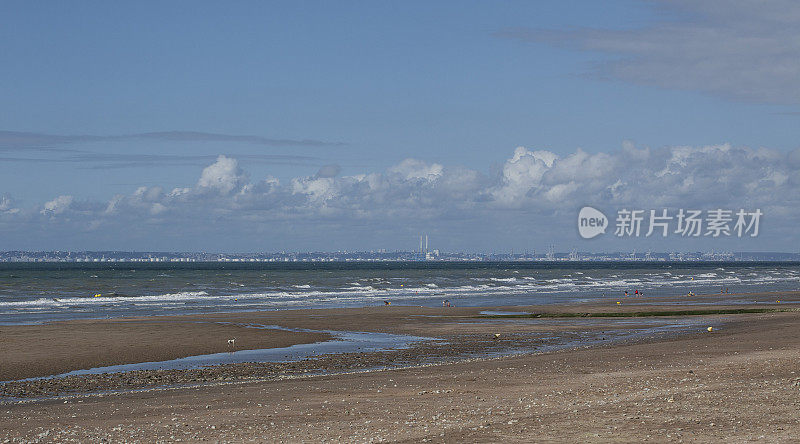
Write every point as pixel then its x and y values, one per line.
pixel 57 206
pixel 224 176
pixel 534 180
pixel 318 190
pixel 522 175
pixel 413 169
pixel 7 205
pixel 535 183
pixel 561 192
pixel 157 208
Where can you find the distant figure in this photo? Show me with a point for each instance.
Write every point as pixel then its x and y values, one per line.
pixel 232 343
pixel 446 303
pixel 387 303
pixel 626 293
pixel 636 292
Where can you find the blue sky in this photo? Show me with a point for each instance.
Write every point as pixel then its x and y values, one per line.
pixel 157 91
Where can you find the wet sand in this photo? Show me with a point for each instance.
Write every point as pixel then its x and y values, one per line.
pixel 740 382
pixel 40 350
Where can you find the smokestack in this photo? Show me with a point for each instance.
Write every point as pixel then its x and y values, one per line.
pixel 426 244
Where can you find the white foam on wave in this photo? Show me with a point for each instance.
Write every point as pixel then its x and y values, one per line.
pixel 104 300
pixel 360 288
pixel 706 275
pixel 354 293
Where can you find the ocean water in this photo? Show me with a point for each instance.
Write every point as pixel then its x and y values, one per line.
pixel 40 292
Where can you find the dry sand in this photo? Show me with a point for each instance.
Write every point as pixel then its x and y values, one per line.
pixel 740 382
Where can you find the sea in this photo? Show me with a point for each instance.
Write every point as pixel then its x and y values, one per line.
pixel 42 292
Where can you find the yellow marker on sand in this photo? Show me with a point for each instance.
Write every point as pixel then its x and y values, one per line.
pixel 710 328
pixel 618 302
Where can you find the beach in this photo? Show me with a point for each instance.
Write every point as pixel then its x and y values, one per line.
pixel 597 371
pixel 407 222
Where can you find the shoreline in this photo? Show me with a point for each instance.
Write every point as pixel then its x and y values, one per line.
pixel 147 291
pixel 448 333
pixel 740 383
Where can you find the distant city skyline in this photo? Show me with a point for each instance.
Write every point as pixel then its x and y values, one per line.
pixel 354 125
pixel 389 256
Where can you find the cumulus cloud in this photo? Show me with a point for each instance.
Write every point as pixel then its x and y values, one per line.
pixel 7 205
pixel 538 184
pixel 522 175
pixel 742 49
pixel 57 206
pixel 224 176
pixel 529 179
pixel 413 169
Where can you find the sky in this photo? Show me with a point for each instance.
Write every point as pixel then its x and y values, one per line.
pixel 358 125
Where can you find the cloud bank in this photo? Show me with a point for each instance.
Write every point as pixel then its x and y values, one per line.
pixel 740 49
pixel 21 140
pixel 41 148
pixel 531 200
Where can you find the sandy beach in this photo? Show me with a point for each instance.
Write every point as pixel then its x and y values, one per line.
pixel 614 377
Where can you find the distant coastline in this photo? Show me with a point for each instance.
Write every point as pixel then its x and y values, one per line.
pixel 392 256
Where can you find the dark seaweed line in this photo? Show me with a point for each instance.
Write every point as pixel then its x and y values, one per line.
pixel 642 314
